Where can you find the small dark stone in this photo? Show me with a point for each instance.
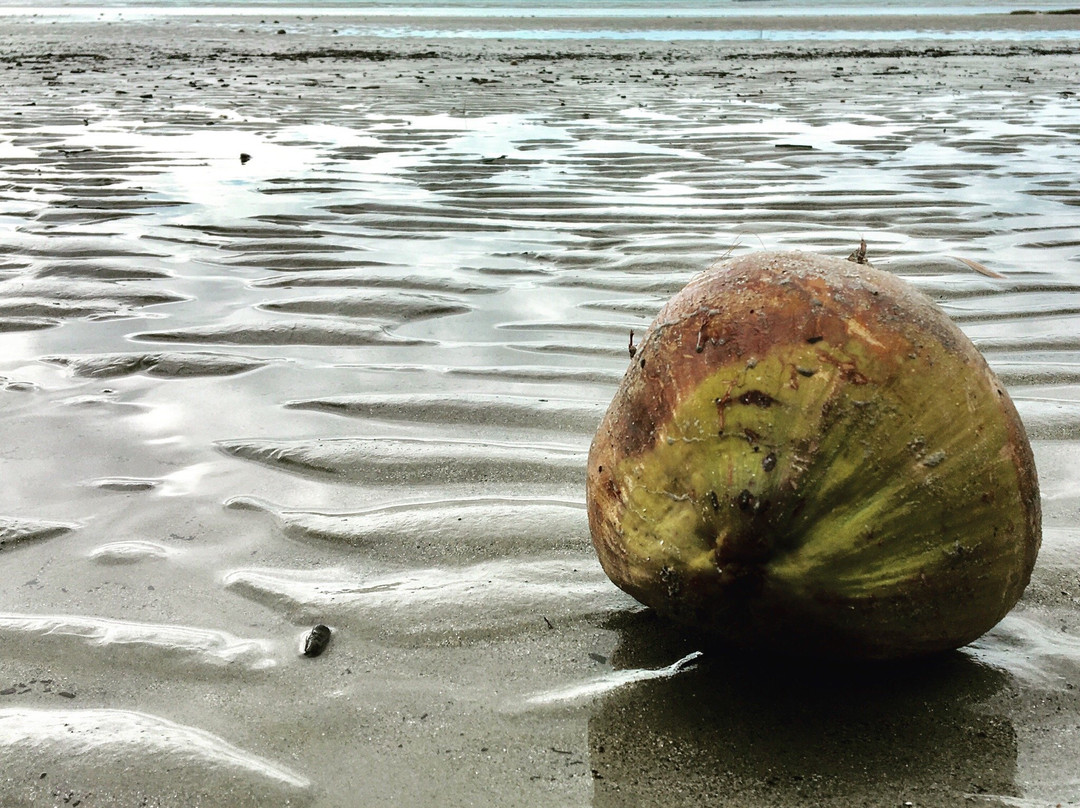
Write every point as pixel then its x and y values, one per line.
pixel 317 641
pixel 244 157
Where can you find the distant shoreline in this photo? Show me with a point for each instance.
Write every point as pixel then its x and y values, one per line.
pixel 346 26
pixel 733 10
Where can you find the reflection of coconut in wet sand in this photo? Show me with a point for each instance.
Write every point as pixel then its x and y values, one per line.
pixel 756 733
pixel 807 454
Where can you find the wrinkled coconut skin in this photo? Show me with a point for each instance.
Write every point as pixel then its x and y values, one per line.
pixel 807 455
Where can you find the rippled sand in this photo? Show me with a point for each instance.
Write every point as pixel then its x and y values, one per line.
pixel 351 378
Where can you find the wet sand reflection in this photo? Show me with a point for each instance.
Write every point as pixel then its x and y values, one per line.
pixel 780 732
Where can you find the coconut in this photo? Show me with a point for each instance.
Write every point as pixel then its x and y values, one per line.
pixel 807 455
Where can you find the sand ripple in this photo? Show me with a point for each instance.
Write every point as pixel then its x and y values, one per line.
pixel 482 601
pixel 128 552
pixel 465 529
pixel 387 461
pixel 278 333
pixel 75 748
pixel 511 411
pixel 394 309
pixel 114 641
pixel 169 365
pixel 14 530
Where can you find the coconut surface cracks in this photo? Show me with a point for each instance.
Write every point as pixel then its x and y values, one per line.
pixel 807 455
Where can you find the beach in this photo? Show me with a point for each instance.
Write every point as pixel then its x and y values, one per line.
pixel 309 319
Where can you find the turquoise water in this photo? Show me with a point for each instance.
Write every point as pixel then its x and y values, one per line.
pixel 720 20
pixel 638 9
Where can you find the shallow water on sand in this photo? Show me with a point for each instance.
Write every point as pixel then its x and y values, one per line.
pixel 351 379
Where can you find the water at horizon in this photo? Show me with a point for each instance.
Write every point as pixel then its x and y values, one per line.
pixel 641 9
pixel 685 20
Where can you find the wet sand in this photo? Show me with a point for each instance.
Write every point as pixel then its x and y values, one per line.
pixel 351 379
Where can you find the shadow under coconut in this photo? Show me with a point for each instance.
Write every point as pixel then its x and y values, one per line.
pixel 780 732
